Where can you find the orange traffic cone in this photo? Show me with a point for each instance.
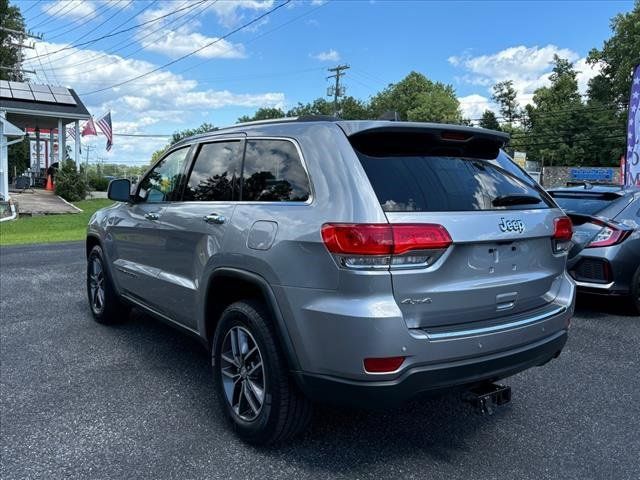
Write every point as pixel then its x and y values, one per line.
pixel 49 185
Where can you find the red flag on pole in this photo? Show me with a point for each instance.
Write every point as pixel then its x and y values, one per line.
pixel 89 128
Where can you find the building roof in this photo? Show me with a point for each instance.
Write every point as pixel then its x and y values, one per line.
pixel 34 105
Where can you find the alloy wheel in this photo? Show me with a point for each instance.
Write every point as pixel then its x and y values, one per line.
pixel 96 285
pixel 243 375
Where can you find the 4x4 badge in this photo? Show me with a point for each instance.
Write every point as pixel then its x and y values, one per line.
pixel 515 225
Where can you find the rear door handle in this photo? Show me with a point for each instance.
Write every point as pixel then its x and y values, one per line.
pixel 151 216
pixel 214 218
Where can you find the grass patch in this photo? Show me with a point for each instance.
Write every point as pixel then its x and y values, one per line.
pixel 51 228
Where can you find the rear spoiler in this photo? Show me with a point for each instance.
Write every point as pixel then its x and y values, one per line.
pixel 384 139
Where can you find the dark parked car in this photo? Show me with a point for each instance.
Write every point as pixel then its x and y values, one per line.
pixel 605 257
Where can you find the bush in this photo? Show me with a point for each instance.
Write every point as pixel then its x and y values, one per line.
pixel 98 183
pixel 69 183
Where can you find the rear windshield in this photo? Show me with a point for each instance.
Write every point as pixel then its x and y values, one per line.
pixel 446 184
pixel 585 204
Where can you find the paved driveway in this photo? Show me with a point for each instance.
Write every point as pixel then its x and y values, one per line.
pixel 81 400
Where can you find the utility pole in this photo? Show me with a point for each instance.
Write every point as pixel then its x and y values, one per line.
pixel 20 36
pixel 337 90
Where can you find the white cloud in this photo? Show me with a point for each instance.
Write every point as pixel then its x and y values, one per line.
pixel 160 102
pixel 69 8
pixel 231 13
pixel 161 36
pixel 474 105
pixel 528 67
pixel 328 56
pixel 177 43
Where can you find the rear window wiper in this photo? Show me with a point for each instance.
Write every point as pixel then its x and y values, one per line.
pixel 506 200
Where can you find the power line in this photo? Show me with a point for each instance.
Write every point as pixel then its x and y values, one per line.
pixel 53 15
pixel 28 9
pixel 130 43
pixel 80 22
pixel 113 34
pixel 117 12
pixel 268 32
pixel 257 19
pixel 44 11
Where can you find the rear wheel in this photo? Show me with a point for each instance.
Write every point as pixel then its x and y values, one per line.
pixel 105 304
pixel 253 386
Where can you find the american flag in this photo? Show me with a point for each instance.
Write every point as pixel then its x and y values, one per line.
pixel 104 123
pixel 71 132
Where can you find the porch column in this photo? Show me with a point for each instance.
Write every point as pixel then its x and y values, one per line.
pixel 60 146
pixel 4 160
pixel 52 158
pixel 76 126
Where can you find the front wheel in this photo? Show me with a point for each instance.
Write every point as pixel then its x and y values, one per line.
pixel 106 306
pixel 253 386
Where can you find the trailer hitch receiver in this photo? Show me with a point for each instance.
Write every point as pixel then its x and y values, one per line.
pixel 486 397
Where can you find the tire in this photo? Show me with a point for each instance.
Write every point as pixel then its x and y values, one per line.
pixel 282 411
pixel 105 304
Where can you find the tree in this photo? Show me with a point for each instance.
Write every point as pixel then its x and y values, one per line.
pixel 262 114
pixel 70 185
pixel 417 98
pixel 180 134
pixel 617 57
pixel 609 91
pixel 155 156
pixel 10 54
pixel 505 95
pixel 489 120
pixel 558 125
pixel 318 107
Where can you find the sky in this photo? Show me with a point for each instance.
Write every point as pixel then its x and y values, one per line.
pixel 243 62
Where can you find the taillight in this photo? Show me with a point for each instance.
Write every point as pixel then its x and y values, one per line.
pixel 608 236
pixel 562 233
pixel 383 365
pixel 367 245
pixel 563 228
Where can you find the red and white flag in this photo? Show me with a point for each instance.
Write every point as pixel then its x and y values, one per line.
pixel 89 128
pixel 104 123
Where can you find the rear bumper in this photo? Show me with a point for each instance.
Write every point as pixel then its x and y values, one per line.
pixel 430 378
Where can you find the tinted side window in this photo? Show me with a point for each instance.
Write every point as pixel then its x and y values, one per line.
pixel 273 172
pixel 216 173
pixel 163 182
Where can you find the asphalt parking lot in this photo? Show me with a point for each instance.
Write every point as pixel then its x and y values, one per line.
pixel 80 400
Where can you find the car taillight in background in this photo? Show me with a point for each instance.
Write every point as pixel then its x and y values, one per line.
pixel 609 235
pixel 380 245
pixel 562 233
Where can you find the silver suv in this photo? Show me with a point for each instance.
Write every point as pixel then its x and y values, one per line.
pixel 355 262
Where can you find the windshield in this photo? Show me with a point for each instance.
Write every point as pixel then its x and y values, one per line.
pixel 446 184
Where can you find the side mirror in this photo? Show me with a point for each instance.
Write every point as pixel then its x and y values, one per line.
pixel 119 190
